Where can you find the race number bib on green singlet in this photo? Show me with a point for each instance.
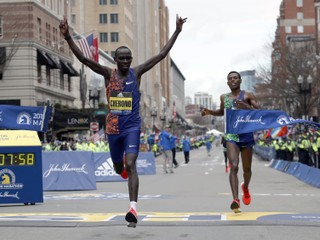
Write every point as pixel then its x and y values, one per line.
pixel 120 103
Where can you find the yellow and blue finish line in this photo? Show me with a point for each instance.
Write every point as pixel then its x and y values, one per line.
pixel 160 217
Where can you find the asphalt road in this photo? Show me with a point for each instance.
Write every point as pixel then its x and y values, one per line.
pixel 192 203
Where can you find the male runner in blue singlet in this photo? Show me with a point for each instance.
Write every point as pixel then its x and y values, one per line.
pixel 123 120
pixel 237 143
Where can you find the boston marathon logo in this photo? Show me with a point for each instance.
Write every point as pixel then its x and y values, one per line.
pixel 8 180
pixel 24 118
pixel 36 119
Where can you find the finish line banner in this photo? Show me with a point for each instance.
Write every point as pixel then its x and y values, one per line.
pixel 25 118
pixel 246 121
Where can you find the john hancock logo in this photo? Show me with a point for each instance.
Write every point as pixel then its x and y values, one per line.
pixel 24 118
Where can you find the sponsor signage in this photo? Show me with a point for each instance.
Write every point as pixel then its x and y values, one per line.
pixel 62 172
pixel 20 167
pixel 25 118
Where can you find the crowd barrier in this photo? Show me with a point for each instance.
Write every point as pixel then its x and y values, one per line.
pixel 303 172
pixel 80 170
pixel 266 153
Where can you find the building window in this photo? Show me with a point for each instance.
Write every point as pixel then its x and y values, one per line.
pixel 300 29
pixel 299 3
pixel 73 3
pixel 39 73
pixel 299 15
pixel 103 18
pixel 55 38
pixel 114 37
pixel 113 2
pixel 73 19
pixel 59 10
pixel 288 29
pixel 61 85
pixel 3 55
pixel 39 29
pixel 102 2
pixel 48 34
pixel 48 75
pixel 69 83
pixel 103 37
pixel 1 28
pixel 114 18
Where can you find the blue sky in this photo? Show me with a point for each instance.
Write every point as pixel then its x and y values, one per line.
pixel 220 36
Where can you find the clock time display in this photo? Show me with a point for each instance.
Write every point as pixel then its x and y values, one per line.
pixel 17 159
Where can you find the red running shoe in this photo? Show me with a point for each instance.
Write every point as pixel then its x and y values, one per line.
pixel 235 206
pixel 132 218
pixel 124 173
pixel 246 198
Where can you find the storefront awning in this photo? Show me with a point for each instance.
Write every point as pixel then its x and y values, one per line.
pixel 56 64
pixel 68 69
pixel 43 59
pixel 76 73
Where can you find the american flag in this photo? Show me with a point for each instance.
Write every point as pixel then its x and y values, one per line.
pixel 98 135
pixel 89 47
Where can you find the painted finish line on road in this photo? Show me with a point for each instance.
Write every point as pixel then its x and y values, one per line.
pixel 162 217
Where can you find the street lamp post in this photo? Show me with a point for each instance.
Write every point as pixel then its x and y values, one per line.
pixel 95 87
pixel 163 119
pixel 153 115
pixel 170 121
pixel 304 91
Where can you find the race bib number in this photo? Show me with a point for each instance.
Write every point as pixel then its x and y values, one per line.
pixel 120 103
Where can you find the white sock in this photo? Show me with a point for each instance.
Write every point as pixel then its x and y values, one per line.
pixel 133 205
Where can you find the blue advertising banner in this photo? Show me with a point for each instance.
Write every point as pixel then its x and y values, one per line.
pixel 68 170
pixel 245 121
pixel 146 164
pixel 25 117
pixel 104 171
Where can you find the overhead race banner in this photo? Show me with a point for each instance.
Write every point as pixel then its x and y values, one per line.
pixel 245 121
pixel 25 118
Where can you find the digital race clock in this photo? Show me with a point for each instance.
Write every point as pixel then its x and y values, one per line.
pixel 17 159
pixel 20 167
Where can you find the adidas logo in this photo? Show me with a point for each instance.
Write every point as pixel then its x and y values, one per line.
pixel 106 169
